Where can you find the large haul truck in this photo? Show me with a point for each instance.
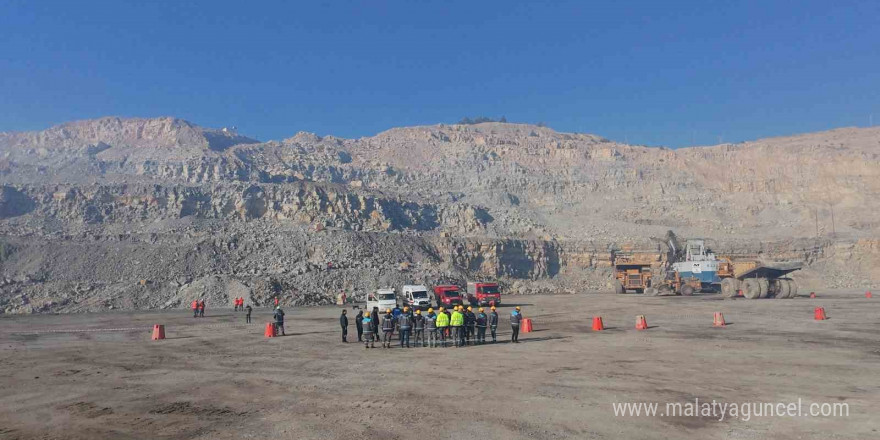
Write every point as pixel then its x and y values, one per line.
pixel 685 270
pixel 757 280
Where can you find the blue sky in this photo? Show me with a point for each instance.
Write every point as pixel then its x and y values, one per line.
pixel 655 72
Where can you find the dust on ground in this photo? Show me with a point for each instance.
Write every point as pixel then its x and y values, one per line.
pixel 99 376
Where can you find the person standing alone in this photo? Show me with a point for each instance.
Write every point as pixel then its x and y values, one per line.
pixel 515 319
pixel 343 321
pixel 247 317
pixel 279 320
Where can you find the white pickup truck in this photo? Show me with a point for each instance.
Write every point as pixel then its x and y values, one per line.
pixel 416 297
pixel 384 299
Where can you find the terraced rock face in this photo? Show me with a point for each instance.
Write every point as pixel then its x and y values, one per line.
pixel 152 212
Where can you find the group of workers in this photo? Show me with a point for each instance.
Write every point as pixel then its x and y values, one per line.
pixel 198 308
pixel 238 304
pixel 459 327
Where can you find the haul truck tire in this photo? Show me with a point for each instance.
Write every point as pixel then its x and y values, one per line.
pixel 783 289
pixel 751 289
pixel 792 288
pixel 764 284
pixel 729 286
pixel 687 290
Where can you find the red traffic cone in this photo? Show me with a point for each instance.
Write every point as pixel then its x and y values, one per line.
pixel 718 321
pixel 812 294
pixel 641 323
pixel 270 330
pixel 527 325
pixel 819 314
pixel 158 332
pixel 597 324
pixel 868 294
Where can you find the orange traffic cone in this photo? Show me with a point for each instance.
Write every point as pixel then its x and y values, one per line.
pixel 527 325
pixel 158 332
pixel 270 330
pixel 868 294
pixel 718 321
pixel 597 324
pixel 641 323
pixel 819 314
pixel 812 294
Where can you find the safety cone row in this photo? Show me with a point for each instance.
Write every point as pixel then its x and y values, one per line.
pixel 718 320
pixel 158 332
pixel 271 331
pixel 598 326
pixel 819 314
pixel 527 325
pixel 641 322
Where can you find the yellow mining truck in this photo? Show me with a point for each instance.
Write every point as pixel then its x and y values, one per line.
pixel 755 279
pixel 633 271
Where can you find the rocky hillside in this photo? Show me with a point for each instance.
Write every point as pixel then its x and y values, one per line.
pixel 154 212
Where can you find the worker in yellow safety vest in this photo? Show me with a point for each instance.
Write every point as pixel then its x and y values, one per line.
pixel 457 323
pixel 442 326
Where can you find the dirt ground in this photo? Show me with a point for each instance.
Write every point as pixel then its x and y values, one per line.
pixel 99 376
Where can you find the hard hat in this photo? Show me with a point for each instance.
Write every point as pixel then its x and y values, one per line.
pixel 418 312
pixel 387 310
pixel 481 309
pixel 367 314
pixel 470 308
pixel 430 309
pixel 493 307
pixel 405 309
pixel 441 308
pixel 517 307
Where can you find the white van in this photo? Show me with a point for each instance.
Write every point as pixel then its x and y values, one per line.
pixel 384 299
pixel 416 297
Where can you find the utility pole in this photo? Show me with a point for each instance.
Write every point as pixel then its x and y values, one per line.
pixel 833 230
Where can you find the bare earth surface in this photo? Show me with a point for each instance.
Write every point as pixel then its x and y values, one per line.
pixel 217 378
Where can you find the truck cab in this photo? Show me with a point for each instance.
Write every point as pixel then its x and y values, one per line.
pixel 483 294
pixel 447 296
pixel 383 299
pixel 416 297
